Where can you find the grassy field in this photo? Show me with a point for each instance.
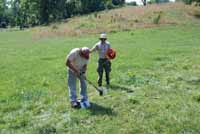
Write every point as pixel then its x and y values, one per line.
pixel 155 79
pixel 155 84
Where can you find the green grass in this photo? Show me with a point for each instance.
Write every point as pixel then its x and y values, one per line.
pixel 155 83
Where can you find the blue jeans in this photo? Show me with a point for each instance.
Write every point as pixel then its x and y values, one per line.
pixel 72 87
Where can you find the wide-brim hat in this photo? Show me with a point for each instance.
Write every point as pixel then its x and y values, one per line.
pixel 103 36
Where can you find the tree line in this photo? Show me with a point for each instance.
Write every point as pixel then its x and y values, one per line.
pixel 29 13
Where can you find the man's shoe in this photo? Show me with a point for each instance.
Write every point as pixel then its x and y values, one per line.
pixel 85 104
pixel 75 104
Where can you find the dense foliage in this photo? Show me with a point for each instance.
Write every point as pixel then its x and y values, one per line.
pixel 197 2
pixel 37 12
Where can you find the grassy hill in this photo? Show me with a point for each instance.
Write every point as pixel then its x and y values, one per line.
pixel 123 19
pixel 155 78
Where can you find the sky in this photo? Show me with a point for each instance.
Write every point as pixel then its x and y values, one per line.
pixel 132 0
pixel 139 2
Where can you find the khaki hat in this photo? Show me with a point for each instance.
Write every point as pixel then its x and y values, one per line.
pixel 103 36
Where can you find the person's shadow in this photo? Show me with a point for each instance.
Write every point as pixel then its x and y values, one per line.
pixel 96 109
pixel 120 87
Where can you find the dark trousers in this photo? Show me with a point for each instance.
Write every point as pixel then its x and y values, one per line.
pixel 104 64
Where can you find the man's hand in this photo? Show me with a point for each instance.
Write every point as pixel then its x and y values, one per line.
pixel 73 68
pixel 82 75
pixel 84 68
pixel 77 73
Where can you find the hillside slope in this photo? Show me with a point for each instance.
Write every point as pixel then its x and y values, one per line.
pixel 122 19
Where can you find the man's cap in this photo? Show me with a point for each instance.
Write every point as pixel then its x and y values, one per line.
pixel 85 52
pixel 103 36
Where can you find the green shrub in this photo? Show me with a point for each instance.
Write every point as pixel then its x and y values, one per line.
pixel 157 18
pixel 54 27
pixel 187 2
pixel 132 3
pixel 151 1
pixel 196 13
pixel 95 14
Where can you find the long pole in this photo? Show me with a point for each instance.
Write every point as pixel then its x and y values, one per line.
pixel 99 90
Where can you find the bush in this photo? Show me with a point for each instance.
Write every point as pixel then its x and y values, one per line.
pixel 196 13
pixel 54 27
pixel 3 24
pixel 151 2
pixel 188 1
pixel 109 5
pixel 132 3
pixel 157 19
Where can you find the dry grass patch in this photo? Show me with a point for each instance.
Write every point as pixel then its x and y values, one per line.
pixel 195 13
pixel 123 19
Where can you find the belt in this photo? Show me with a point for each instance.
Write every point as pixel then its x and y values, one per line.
pixel 103 59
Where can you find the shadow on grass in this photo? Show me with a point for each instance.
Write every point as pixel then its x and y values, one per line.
pixel 100 110
pixel 121 87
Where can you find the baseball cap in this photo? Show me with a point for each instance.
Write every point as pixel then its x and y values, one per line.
pixel 85 52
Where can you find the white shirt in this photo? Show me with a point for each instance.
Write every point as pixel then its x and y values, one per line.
pixel 76 59
pixel 101 48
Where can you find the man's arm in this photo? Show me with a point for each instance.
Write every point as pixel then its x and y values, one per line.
pixel 93 49
pixel 70 65
pixel 84 69
pixel 109 46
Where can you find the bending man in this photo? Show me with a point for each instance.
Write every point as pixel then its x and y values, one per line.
pixel 76 62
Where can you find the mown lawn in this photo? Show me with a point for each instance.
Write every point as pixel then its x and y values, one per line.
pixel 155 84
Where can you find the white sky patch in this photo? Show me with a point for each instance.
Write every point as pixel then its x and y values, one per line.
pixel 8 3
pixel 139 2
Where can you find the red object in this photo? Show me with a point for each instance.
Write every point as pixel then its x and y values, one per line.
pixel 110 54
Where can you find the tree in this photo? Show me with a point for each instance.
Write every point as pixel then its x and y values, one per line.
pixel 38 12
pixel 88 6
pixel 118 2
pixel 192 1
pixel 1 9
pixel 3 17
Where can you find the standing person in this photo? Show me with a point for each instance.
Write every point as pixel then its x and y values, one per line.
pixel 76 62
pixel 103 63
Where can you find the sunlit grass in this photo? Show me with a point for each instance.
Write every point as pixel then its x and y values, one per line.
pixel 155 83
